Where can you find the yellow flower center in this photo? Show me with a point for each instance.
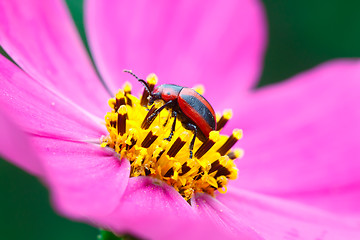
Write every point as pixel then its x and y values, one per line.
pixel 143 143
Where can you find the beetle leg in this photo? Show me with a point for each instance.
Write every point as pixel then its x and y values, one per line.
pixel 157 111
pixel 193 128
pixel 172 127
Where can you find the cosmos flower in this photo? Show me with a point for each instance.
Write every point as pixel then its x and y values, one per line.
pixel 299 177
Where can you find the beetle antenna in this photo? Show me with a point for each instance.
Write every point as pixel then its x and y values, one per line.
pixel 146 85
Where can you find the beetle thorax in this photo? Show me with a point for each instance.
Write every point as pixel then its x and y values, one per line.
pixel 167 92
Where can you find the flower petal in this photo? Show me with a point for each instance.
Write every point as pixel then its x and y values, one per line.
pixel 153 210
pixel 15 145
pixel 343 199
pixel 183 42
pixel 41 38
pixel 85 181
pixel 209 208
pixel 42 112
pixel 301 136
pixel 146 207
pixel 275 218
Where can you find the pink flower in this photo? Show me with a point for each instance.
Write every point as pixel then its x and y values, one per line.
pixel 299 178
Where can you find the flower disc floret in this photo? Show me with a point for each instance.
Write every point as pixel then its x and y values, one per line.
pixel 144 144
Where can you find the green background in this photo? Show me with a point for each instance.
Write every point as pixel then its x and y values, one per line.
pixel 302 34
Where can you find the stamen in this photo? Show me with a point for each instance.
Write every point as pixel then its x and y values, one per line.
pixel 178 144
pixel 184 169
pixel 131 139
pixel 127 91
pixel 122 120
pixel 215 166
pixel 120 99
pixel 205 147
pixel 148 120
pixel 151 137
pixel 227 114
pixel 127 88
pixel 169 173
pixel 146 123
pixel 199 89
pixel 151 80
pixel 222 171
pixel 235 136
pixel 237 153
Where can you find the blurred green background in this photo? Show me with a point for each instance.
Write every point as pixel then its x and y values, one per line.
pixel 302 34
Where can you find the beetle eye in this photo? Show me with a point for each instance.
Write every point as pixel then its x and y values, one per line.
pixel 150 100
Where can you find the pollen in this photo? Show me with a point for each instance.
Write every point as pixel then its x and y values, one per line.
pixel 143 143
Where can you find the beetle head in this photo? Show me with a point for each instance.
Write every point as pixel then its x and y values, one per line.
pixel 153 95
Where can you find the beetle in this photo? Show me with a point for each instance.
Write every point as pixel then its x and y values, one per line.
pixel 191 108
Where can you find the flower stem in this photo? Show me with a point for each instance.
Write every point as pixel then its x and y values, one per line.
pixel 106 235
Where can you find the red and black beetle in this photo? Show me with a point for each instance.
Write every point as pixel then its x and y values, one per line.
pixel 192 109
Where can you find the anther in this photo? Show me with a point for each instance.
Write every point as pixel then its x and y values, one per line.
pixel 111 118
pixel 121 121
pixel 127 91
pixel 222 180
pixel 205 147
pixel 199 89
pixel 184 169
pixel 150 137
pixel 227 114
pixel 112 103
pixel 151 80
pixel 169 173
pixel 147 172
pixel 235 136
pixel 159 155
pixel 120 100
pixel 127 88
pixel 113 123
pixel 222 171
pixel 199 175
pixel 178 144
pixel 215 166
pixel 146 123
pixel 131 139
pixel 235 154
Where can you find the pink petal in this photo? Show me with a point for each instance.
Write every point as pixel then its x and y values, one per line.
pixel 41 38
pixel 184 42
pixel 147 207
pixel 209 208
pixel 274 218
pixel 15 145
pixel 86 182
pixel 153 210
pixel 302 136
pixel 40 111
pixel 343 199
